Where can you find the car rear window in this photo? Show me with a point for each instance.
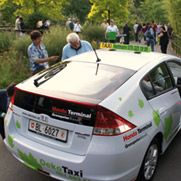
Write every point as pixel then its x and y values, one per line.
pixel 89 79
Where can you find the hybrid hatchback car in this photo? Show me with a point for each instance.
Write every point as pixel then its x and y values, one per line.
pixel 105 118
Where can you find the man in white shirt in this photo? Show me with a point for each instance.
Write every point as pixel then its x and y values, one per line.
pixel 135 27
pixel 111 32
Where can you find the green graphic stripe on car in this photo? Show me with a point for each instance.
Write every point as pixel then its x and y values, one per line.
pixel 156 118
pixel 29 160
pixel 18 125
pixel 10 141
pixel 130 114
pixel 168 122
pixel 141 103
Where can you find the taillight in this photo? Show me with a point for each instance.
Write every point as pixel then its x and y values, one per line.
pixel 12 100
pixel 110 124
pixel 13 97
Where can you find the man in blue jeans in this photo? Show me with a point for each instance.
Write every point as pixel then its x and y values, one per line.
pixel 5 96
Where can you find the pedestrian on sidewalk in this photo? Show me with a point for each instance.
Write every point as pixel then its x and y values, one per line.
pixel 126 31
pixel 150 38
pixel 164 40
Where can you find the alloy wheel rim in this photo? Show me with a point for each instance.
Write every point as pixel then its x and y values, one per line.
pixel 150 161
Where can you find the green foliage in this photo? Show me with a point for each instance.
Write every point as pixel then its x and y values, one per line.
pixel 47 8
pixel 152 10
pixel 173 9
pixel 118 10
pixel 55 40
pixel 78 9
pixel 7 9
pixel 13 68
pixel 21 44
pixel 94 33
pixel 6 39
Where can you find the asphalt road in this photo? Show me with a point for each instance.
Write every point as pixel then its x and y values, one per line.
pixel 169 168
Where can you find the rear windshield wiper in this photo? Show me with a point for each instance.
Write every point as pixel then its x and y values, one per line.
pixel 52 71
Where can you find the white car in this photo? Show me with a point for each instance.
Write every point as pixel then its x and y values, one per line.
pixel 99 119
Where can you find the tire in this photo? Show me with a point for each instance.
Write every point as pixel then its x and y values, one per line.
pixel 149 163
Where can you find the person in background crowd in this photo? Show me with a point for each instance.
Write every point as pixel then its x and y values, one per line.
pixel 164 39
pixel 135 27
pixel 150 38
pixel 144 29
pixel 126 31
pixel 67 23
pixel 77 27
pixel 154 27
pixel 170 31
pixel 37 54
pixel 71 25
pixel 75 46
pixel 17 25
pixel 112 28
pixel 139 32
pixel 22 26
pixel 5 96
pixel 46 24
pixel 39 24
pixel 104 24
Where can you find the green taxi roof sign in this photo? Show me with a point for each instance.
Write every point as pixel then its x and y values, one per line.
pixel 118 46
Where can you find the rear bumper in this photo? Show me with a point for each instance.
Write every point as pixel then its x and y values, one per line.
pixel 66 166
pixel 110 161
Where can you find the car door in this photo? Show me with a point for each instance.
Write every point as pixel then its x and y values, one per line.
pixel 164 98
pixel 175 68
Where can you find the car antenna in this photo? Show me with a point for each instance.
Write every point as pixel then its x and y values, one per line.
pixel 97 60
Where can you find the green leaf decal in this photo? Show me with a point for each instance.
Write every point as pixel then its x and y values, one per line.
pixel 167 127
pixel 130 114
pixel 141 103
pixel 11 141
pixel 18 125
pixel 29 160
pixel 120 98
pixel 156 118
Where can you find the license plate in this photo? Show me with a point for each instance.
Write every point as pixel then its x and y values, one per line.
pixel 48 131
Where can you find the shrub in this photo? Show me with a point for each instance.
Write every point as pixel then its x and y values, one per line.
pixel 94 33
pixel 6 39
pixel 54 40
pixel 13 68
pixel 21 44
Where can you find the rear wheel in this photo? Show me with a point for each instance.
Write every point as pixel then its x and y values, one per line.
pixel 150 162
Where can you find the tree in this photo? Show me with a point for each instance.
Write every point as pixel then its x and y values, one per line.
pixel 152 10
pixel 106 9
pixel 173 9
pixel 78 9
pixel 25 8
pixel 7 8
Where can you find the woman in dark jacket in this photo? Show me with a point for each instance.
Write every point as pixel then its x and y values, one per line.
pixel 164 40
